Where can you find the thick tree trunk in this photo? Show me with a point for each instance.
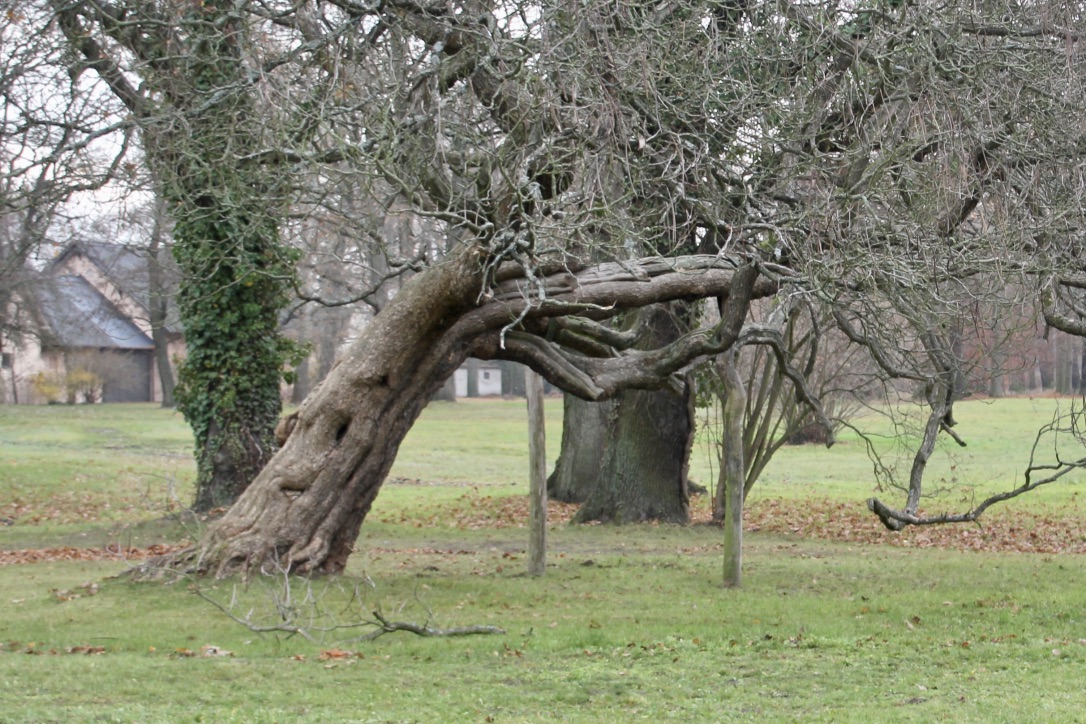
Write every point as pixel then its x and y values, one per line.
pixel 303 513
pixel 626 459
pixel 642 468
pixel 585 432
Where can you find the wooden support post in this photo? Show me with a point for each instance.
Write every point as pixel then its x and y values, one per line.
pixel 537 479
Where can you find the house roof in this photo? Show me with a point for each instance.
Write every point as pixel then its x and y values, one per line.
pixel 78 315
pixel 127 268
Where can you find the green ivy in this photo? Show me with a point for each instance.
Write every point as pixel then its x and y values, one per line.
pixel 236 272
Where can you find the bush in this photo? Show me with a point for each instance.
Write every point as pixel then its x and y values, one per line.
pixel 72 385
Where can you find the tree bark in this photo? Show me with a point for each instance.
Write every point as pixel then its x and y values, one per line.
pixel 733 471
pixel 304 512
pixel 584 434
pixel 626 459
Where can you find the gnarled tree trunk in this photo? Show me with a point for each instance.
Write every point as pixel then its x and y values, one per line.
pixel 304 512
pixel 640 472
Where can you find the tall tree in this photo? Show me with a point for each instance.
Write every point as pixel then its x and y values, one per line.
pixel 819 168
pixel 202 135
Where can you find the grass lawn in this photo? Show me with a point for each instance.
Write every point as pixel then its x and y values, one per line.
pixel 628 623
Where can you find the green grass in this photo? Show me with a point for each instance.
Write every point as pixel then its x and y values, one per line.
pixel 628 623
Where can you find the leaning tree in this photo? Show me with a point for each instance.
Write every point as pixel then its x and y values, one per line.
pixel 578 161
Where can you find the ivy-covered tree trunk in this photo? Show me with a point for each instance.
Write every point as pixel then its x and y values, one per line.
pixel 235 274
pixel 626 459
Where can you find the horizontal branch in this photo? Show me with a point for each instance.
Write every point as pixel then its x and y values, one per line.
pixel 1040 31
pixel 898 519
pixel 1055 318
pixel 596 379
pixel 387 626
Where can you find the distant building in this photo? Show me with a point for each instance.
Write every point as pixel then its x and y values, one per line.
pixel 487 379
pixel 88 331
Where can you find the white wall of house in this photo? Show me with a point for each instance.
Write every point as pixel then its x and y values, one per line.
pixel 490 381
pixel 21 364
pixel 489 378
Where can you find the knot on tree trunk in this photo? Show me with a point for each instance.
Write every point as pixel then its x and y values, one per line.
pixel 285 427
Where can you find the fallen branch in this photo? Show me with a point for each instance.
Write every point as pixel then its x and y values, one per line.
pixel 387 626
pixel 292 605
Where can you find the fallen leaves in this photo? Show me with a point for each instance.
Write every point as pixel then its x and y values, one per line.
pixel 1016 531
pixel 339 654
pixel 33 648
pixel 207 651
pixel 87 589
pixel 70 553
pixel 822 518
pixel 68 507
pixel 474 511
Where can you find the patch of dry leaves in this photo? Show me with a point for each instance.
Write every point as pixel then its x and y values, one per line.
pixel 65 508
pixel 70 553
pixel 1005 530
pixel 823 519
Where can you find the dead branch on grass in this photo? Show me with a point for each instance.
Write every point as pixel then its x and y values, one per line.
pixel 301 613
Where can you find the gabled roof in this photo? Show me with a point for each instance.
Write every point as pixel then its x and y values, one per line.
pixel 78 315
pixel 127 268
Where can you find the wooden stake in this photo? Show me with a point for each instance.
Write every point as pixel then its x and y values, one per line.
pixel 537 479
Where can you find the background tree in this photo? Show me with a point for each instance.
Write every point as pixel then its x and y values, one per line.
pixel 55 142
pixel 201 131
pixel 626 459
